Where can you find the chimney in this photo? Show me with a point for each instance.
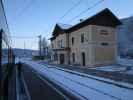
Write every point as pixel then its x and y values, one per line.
pixel 81 20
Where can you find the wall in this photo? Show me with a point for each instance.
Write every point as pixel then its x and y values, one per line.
pixel 94 51
pixel 58 38
pixel 104 54
pixel 60 50
pixel 79 47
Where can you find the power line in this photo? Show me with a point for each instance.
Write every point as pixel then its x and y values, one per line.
pixel 69 10
pixel 80 12
pixel 24 9
pixel 85 11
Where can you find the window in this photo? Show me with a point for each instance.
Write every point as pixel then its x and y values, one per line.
pixel 82 38
pixel 104 32
pixel 104 44
pixel 72 40
pixel 60 44
pixel 83 58
pixel 73 57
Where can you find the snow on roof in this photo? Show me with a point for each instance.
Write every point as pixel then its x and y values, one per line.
pixel 64 26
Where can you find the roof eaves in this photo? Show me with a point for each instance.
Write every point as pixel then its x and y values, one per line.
pixel 90 18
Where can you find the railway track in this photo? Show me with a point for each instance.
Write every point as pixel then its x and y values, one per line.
pixel 95 89
pixel 66 82
pixel 58 93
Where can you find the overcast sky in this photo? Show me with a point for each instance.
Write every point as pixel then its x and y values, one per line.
pixel 29 18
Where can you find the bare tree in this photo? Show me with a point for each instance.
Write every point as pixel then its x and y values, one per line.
pixel 44 46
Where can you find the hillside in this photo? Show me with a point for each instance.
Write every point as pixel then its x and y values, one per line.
pixel 125 37
pixel 22 52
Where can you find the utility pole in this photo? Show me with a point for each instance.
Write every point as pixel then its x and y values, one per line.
pixel 40 43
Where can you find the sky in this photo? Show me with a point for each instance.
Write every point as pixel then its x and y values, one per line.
pixel 27 19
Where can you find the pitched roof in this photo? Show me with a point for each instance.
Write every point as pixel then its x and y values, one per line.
pixel 60 28
pixel 103 18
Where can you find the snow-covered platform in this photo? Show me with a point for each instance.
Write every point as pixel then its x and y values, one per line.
pixel 123 65
pixel 84 86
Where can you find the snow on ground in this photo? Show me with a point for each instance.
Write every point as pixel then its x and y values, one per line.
pixel 84 87
pixel 129 72
pixel 112 68
pixel 123 65
pixel 120 83
pixel 125 61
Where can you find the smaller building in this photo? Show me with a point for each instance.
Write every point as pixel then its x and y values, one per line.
pixel 92 42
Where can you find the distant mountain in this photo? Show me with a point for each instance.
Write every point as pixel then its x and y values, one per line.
pixel 125 37
pixel 23 52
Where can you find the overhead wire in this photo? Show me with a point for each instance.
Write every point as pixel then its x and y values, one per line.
pixel 66 13
pixel 69 10
pixel 84 11
pixel 24 9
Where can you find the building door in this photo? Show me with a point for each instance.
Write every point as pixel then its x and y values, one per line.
pixel 83 58
pixel 62 58
pixel 73 57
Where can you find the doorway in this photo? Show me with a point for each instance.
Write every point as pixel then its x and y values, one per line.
pixel 62 58
pixel 83 58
